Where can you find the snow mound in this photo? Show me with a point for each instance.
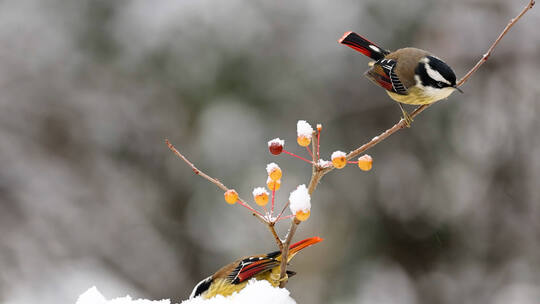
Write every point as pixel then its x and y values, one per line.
pixel 93 296
pixel 260 292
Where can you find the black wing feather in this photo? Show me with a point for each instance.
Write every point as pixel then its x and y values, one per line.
pixel 389 66
pixel 268 264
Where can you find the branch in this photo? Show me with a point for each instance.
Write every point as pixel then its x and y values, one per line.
pixel 501 35
pixel 276 237
pixel 285 251
pixel 319 172
pixel 316 175
pixel 216 182
pixel 401 124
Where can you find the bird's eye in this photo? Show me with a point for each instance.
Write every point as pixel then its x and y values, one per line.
pixel 440 84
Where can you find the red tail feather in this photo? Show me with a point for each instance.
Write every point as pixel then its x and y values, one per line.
pixel 362 45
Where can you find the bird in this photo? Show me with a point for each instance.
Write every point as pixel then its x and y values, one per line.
pixel 234 276
pixel 409 75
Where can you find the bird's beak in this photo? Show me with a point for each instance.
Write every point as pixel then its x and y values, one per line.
pixel 457 88
pixel 290 273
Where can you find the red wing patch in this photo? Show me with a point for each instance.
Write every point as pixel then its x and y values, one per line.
pixel 379 77
pixel 251 267
pixel 383 75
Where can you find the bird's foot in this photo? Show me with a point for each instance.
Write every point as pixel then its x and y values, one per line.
pixel 408 120
pixel 275 277
pixel 406 117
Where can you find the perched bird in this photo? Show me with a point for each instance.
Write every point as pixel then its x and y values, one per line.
pixel 234 276
pixel 409 75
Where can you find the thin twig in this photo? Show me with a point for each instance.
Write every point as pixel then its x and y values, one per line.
pixel 276 236
pixel 318 172
pixel 401 124
pixel 282 210
pixel 490 50
pixel 285 251
pixel 315 169
pixel 214 181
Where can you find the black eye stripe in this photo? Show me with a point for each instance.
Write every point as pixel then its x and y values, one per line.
pixel 438 66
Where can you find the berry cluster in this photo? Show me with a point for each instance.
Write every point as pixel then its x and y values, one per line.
pixel 261 196
pixel 299 199
pixel 304 137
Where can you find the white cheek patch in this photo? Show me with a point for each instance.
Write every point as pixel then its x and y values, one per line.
pixel 435 75
pixel 438 94
pixel 434 93
pixel 418 81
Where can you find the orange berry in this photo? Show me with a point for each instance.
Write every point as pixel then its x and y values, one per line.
pixel 302 216
pixel 275 174
pixel 274 171
pixel 365 162
pixel 261 199
pixel 231 196
pixel 303 140
pixel 339 159
pixel 260 195
pixel 273 185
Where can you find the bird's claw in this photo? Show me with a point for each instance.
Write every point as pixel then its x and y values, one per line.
pixel 406 117
pixel 408 120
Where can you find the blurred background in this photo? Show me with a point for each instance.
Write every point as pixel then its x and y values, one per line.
pixel 90 194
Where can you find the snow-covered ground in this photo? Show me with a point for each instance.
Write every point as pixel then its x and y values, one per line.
pixel 260 292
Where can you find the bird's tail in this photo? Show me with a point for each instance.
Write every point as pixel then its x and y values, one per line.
pixel 364 46
pixel 294 248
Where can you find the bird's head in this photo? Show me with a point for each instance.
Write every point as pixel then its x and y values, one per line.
pixel 435 77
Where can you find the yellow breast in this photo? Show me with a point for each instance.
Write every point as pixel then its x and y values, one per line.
pixel 223 286
pixel 418 96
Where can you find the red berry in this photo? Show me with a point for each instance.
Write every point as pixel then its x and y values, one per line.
pixel 276 146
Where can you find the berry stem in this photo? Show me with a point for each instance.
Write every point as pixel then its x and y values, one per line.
pixel 273 196
pixel 309 151
pixel 214 181
pixel 300 157
pixel 250 208
pixel 285 217
pixel 281 213
pixel 318 143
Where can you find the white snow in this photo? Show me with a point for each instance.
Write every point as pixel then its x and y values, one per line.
pixel 260 292
pixel 303 128
pixel 278 141
pixel 271 167
pixel 300 200
pixel 324 163
pixel 259 191
pixel 93 296
pixel 338 154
